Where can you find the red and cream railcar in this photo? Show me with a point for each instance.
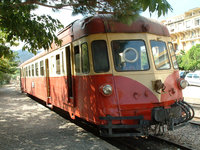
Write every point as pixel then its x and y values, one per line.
pixel 120 77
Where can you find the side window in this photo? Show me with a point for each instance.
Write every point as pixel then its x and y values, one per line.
pixel 36 69
pixel 52 65
pixel 58 64
pixel 189 75
pixel 63 66
pixel 173 55
pixel 77 59
pixel 85 58
pixel 42 68
pixel 29 71
pixel 32 70
pixel 160 55
pixel 100 56
pixel 196 76
pixel 26 71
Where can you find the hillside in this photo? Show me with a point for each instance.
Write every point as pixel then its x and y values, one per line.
pixel 24 55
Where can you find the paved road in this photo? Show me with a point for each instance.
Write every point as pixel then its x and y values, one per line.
pixel 27 125
pixel 192 94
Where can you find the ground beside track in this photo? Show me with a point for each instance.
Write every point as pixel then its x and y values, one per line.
pixel 27 125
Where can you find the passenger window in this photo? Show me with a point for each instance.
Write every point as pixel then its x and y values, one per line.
pixel 33 70
pixel 77 59
pixel 52 65
pixel 36 69
pixel 29 71
pixel 130 55
pixel 173 55
pixel 42 68
pixel 58 64
pixel 160 55
pixel 85 58
pixel 100 56
pixel 63 69
pixel 24 72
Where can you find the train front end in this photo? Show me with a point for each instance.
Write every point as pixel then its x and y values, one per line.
pixel 146 86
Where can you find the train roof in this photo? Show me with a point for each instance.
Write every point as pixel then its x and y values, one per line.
pixel 104 24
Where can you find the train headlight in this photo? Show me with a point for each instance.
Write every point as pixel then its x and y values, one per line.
pixel 106 90
pixel 182 84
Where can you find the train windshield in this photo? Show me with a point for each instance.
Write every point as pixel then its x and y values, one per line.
pixel 173 55
pixel 130 55
pixel 160 55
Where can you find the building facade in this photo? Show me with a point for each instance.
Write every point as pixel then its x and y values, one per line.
pixel 184 29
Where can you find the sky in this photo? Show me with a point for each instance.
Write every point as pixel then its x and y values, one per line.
pixel 65 17
pixel 179 7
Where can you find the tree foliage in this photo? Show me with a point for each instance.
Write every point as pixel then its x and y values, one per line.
pixel 191 59
pixel 8 66
pixel 19 23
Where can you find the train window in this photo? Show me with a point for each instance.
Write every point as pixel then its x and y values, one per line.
pixel 52 65
pixel 36 69
pixel 26 72
pixel 42 68
pixel 77 59
pixel 58 64
pixel 160 55
pixel 130 55
pixel 100 56
pixel 63 68
pixel 29 71
pixel 85 58
pixel 173 55
pixel 32 70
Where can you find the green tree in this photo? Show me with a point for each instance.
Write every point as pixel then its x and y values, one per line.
pixel 18 23
pixel 191 60
pixel 8 67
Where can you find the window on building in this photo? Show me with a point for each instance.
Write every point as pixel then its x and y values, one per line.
pixel 188 24
pixel 42 68
pixel 36 69
pixel 58 64
pixel 85 58
pixel 100 56
pixel 77 59
pixel 160 55
pixel 197 22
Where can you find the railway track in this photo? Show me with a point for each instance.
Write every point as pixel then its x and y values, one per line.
pixel 126 143
pixel 195 121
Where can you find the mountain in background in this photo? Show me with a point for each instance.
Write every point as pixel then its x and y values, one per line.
pixel 24 55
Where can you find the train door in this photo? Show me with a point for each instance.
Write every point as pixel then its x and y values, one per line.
pixel 47 82
pixel 69 80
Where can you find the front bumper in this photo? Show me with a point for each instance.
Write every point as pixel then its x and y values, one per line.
pixel 177 115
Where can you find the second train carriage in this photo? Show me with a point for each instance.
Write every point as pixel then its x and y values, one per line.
pixel 114 75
